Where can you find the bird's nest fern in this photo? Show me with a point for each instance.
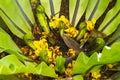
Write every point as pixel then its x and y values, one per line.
pixel 75 43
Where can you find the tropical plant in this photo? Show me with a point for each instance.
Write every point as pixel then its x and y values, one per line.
pixel 20 23
pixel 88 45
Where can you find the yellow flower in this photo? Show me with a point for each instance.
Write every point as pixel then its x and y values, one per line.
pixel 90 24
pixel 96 74
pixel 52 66
pixel 53 52
pixel 69 65
pixel 110 65
pixel 71 52
pixel 86 35
pixel 65 20
pixel 93 21
pixel 37 52
pixel 56 18
pixel 71 32
pixel 55 22
pixel 49 56
pixel 68 72
pixel 57 50
pixel 36 44
pixel 40 45
pixel 73 62
pixel 44 35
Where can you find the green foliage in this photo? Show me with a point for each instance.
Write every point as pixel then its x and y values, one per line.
pixel 60 64
pixel 82 28
pixel 42 18
pixel 43 69
pixel 28 40
pixel 75 16
pixel 115 36
pixel 98 44
pixel 11 65
pixel 52 7
pixel 111 21
pixel 78 77
pixel 84 63
pixel 8 45
pixel 43 55
pixel 18 18
pixel 108 55
pixel 96 8
pixel 18 21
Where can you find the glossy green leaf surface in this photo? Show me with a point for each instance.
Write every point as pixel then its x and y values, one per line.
pixel 11 65
pixel 42 18
pixel 101 8
pixel 78 77
pixel 25 4
pixel 60 64
pixel 108 55
pixel 96 8
pixel 56 6
pixel 8 45
pixel 90 7
pixel 44 70
pixel 84 63
pixel 111 21
pixel 7 42
pixel 43 55
pixel 82 4
pixel 115 37
pixel 17 15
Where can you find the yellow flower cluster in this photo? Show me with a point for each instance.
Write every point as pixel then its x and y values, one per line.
pixel 55 21
pixel 90 24
pixel 53 53
pixel 68 71
pixel 44 35
pixel 28 52
pixel 89 27
pixel 40 45
pixel 71 52
pixel 71 32
pixel 96 75
pixel 110 65
pixel 86 35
